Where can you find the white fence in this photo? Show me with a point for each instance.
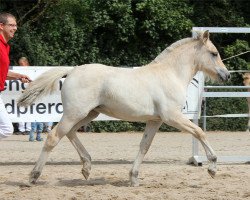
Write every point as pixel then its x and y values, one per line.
pixel 208 94
pixel 199 159
pixel 196 158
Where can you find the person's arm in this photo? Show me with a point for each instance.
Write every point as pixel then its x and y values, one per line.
pixel 14 76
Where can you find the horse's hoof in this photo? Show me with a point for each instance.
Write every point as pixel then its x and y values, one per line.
pixel 85 173
pixel 133 177
pixel 211 172
pixel 34 175
pixel 136 184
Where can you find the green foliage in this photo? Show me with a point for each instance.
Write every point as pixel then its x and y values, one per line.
pixel 122 126
pixel 110 126
pixel 220 106
pixel 224 13
pixel 239 62
pixel 127 33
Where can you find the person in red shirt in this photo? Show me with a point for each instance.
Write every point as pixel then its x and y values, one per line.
pixel 8 27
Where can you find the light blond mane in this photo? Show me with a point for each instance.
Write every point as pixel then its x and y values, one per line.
pixel 175 45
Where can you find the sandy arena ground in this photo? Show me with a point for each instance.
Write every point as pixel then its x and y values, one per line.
pixel 163 175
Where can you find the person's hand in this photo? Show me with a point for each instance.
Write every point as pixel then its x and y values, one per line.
pixel 24 78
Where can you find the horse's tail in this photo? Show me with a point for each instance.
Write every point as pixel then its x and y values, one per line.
pixel 46 83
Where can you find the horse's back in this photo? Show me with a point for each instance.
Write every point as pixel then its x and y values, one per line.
pixel 95 74
pixel 90 79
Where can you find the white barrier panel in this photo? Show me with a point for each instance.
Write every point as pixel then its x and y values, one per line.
pixel 226 94
pixel 229 115
pixel 196 158
pixel 192 107
pixel 199 159
pixel 49 108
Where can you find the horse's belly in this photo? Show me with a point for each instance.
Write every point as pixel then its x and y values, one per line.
pixel 128 114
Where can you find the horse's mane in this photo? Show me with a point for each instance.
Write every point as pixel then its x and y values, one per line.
pixel 174 46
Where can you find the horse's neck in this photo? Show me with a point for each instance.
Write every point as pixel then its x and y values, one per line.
pixel 181 63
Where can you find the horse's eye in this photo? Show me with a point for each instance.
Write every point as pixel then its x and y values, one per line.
pixel 214 54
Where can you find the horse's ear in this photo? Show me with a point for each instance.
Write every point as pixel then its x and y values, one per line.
pixel 205 36
pixel 245 75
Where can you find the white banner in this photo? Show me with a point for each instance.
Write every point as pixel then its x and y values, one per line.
pixel 192 107
pixel 49 108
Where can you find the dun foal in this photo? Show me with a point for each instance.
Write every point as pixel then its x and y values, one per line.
pixel 154 93
pixel 246 82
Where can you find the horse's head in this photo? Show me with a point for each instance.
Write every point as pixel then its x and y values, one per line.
pixel 246 79
pixel 208 59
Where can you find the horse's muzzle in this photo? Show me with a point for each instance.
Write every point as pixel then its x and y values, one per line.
pixel 223 73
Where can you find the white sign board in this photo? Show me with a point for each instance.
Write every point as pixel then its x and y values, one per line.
pixel 50 109
pixel 192 107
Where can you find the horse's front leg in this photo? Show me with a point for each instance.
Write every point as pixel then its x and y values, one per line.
pixel 180 122
pixel 248 124
pixel 150 130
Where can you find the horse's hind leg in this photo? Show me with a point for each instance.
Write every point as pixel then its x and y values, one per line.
pixel 58 132
pixel 84 155
pixel 51 142
pixel 150 130
pixel 248 124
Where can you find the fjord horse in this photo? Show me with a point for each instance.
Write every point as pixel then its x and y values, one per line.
pixel 154 93
pixel 246 82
